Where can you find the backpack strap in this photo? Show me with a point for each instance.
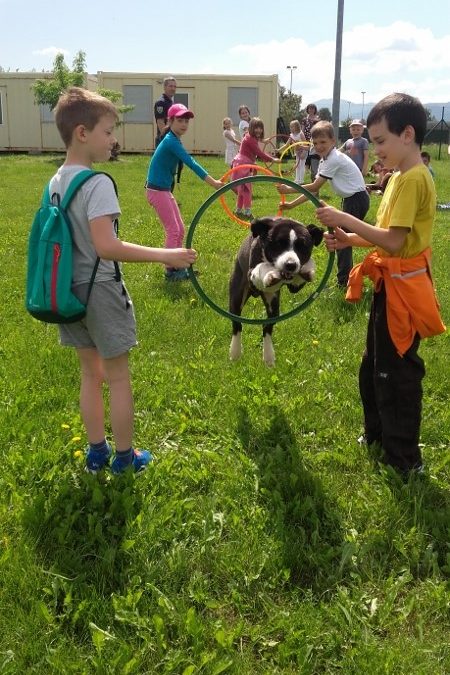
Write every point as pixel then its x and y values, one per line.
pixel 75 184
pixel 118 275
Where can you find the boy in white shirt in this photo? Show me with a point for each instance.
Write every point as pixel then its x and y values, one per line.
pixel 346 180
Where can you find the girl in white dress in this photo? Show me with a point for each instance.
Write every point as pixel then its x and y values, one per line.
pixel 244 116
pixel 231 142
pixel 301 151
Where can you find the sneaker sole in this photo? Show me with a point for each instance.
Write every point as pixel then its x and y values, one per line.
pixel 94 472
pixel 100 468
pixel 131 468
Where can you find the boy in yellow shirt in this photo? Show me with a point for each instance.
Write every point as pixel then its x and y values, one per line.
pixel 404 306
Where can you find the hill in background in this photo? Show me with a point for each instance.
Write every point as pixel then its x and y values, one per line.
pixel 354 110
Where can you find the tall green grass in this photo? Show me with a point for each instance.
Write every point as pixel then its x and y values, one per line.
pixel 263 539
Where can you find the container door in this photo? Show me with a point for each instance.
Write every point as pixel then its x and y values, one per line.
pixel 4 132
pixel 186 95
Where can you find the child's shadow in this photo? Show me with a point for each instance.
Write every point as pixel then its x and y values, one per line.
pixel 344 312
pixel 304 519
pixel 80 526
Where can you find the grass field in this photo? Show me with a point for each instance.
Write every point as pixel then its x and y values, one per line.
pixel 262 540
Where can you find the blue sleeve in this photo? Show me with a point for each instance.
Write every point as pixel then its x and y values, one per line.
pixel 163 165
pixel 185 157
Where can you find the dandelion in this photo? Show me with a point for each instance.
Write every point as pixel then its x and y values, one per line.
pixel 75 439
pixel 77 454
pixel 315 342
pixel 65 426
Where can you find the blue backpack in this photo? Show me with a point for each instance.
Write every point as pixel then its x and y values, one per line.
pixel 49 295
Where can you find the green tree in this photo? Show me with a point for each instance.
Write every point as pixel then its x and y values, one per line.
pixel 346 122
pixel 47 91
pixel 325 114
pixel 289 106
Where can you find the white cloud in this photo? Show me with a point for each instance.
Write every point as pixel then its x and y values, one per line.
pixel 377 59
pixel 51 51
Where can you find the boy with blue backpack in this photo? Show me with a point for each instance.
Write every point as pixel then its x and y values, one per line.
pixel 105 335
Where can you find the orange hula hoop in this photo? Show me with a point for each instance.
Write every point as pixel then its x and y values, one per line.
pixel 230 172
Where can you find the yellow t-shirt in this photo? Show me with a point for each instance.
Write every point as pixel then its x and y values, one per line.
pixel 409 201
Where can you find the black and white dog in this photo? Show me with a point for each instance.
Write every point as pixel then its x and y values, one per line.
pixel 276 253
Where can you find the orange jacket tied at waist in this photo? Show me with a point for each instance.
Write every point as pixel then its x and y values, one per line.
pixel 411 303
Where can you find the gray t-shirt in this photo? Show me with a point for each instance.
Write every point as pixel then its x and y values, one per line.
pixel 355 149
pixel 95 198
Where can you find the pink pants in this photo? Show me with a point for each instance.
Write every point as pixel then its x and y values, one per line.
pixel 244 191
pixel 169 214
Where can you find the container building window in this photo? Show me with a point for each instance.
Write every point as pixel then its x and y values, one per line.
pixel 238 96
pixel 141 96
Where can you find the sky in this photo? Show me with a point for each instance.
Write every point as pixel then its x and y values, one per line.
pixel 388 45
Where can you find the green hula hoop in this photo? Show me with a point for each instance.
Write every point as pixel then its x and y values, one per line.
pixel 190 236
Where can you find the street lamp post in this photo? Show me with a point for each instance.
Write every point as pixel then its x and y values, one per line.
pixel 362 110
pixel 291 68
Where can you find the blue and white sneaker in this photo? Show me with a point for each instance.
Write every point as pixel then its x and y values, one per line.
pixel 96 460
pixel 141 459
pixel 177 275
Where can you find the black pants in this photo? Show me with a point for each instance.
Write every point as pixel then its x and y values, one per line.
pixel 390 386
pixel 312 161
pixel 357 205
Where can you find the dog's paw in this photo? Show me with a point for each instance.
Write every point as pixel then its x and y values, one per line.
pixel 307 276
pixel 295 288
pixel 268 351
pixel 255 278
pixel 264 276
pixel 235 348
pixel 272 278
pixel 308 270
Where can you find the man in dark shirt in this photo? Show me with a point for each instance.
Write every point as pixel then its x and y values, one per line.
pixel 161 107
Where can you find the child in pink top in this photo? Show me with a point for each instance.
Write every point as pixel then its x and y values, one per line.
pixel 248 152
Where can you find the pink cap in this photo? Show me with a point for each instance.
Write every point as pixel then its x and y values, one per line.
pixel 355 123
pixel 179 110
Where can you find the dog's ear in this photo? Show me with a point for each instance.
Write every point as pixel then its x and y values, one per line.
pixel 294 288
pixel 316 234
pixel 261 226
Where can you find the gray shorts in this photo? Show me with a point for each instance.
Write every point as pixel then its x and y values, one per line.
pixel 109 325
